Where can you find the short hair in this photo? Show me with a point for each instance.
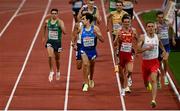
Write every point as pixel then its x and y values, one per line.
pixel 54 9
pixel 126 16
pixel 159 13
pixel 148 22
pixel 119 2
pixel 89 17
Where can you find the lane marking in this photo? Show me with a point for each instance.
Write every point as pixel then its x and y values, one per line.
pixel 12 18
pixel 69 72
pixel 27 57
pixel 112 52
pixel 169 77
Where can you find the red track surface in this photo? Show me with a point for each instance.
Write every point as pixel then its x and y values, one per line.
pixel 34 90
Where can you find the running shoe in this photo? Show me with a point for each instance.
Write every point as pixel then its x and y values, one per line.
pixel 91 83
pixel 85 87
pixel 123 92
pixel 128 90
pixel 149 87
pixel 166 81
pixel 129 82
pixel 159 85
pixel 51 76
pixel 153 104
pixel 58 75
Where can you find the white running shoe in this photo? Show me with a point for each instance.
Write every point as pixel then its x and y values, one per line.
pixel 129 82
pixel 58 75
pixel 85 87
pixel 51 76
pixel 128 90
pixel 122 92
pixel 91 83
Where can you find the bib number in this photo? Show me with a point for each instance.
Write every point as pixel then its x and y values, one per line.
pixel 126 47
pixel 88 42
pixel 116 26
pixel 53 35
pixel 164 35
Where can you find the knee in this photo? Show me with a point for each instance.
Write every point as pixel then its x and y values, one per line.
pixel 57 58
pixel 86 64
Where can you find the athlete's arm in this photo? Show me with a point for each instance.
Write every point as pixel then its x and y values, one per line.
pixel 61 23
pixel 98 33
pixel 80 14
pixel 98 16
pixel 45 29
pixel 164 54
pixel 172 34
pixel 74 36
pixel 140 43
pixel 116 40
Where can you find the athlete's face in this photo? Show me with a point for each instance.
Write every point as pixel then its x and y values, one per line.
pixel 150 28
pixel 160 18
pixel 84 20
pixel 90 4
pixel 126 23
pixel 119 6
pixel 54 14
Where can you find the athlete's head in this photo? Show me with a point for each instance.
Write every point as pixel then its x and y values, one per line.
pixel 54 13
pixel 126 20
pixel 90 3
pixel 150 27
pixel 88 18
pixel 160 16
pixel 119 5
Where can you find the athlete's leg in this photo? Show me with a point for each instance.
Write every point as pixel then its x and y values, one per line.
pixel 57 59
pixel 50 51
pixel 86 70
pixel 154 88
pixel 91 75
pixel 79 64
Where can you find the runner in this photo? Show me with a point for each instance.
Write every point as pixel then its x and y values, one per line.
pixel 114 19
pixel 126 39
pixel 89 35
pixel 76 42
pixel 162 28
pixel 92 9
pixel 148 45
pixel 53 27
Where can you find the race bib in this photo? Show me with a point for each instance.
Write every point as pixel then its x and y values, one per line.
pixel 53 35
pixel 116 26
pixel 164 35
pixel 78 4
pixel 126 47
pixel 88 41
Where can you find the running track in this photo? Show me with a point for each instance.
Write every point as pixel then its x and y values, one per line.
pixel 29 68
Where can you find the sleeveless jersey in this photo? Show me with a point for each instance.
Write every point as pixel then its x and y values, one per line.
pixel 117 19
pixel 54 31
pixel 126 40
pixel 88 39
pixel 163 30
pixel 151 54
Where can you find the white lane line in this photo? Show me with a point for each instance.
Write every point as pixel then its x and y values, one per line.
pixel 169 77
pixel 12 18
pixel 68 75
pixel 112 52
pixel 27 57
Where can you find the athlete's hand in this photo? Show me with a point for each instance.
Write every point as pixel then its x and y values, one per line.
pixel 164 55
pixel 116 68
pixel 150 47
